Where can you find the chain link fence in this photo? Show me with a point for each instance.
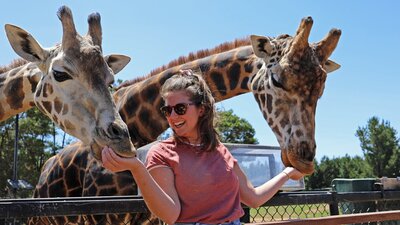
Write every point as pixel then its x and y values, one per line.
pixel 132 210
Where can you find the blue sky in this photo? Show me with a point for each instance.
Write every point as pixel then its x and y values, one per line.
pixel 156 32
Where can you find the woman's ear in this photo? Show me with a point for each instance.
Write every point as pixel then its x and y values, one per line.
pixel 202 109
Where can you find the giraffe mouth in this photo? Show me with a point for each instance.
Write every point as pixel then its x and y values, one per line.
pixel 126 154
pixel 293 160
pixel 97 148
pixel 122 146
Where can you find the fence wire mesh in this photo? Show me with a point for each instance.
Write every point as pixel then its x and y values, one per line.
pixel 285 212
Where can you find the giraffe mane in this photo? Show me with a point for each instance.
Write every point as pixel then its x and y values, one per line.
pixel 226 46
pixel 14 64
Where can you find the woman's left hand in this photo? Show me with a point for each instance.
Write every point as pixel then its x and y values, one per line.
pixel 293 173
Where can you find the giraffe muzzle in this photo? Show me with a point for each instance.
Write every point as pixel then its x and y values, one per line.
pixel 120 140
pixel 301 158
pixel 117 137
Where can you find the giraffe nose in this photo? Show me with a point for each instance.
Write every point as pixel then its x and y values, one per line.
pixel 117 131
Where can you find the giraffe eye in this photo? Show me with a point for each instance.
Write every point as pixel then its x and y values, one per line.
pixel 61 76
pixel 276 83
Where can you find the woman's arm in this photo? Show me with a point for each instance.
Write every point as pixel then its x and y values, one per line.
pixel 157 186
pixel 255 197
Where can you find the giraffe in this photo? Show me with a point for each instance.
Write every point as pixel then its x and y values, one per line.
pixel 68 83
pixel 58 174
pixel 277 72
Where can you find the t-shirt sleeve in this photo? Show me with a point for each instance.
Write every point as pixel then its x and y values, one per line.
pixel 228 155
pixel 156 157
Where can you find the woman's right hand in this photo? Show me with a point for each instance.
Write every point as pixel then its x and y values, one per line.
pixel 115 163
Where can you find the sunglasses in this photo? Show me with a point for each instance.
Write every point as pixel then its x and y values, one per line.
pixel 179 109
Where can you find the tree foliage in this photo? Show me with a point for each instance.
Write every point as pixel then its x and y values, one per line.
pixel 36 143
pixel 233 129
pixel 341 167
pixel 380 146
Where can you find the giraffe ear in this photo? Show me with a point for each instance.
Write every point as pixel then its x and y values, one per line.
pixel 330 66
pixel 24 44
pixel 117 62
pixel 261 46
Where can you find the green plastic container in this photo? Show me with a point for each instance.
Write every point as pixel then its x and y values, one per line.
pixel 355 185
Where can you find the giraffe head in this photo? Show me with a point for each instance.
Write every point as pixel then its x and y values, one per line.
pixel 288 86
pixel 74 88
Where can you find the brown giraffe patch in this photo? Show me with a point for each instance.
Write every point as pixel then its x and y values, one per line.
pixel 47 90
pixel 58 105
pixel 218 80
pixel 284 122
pixel 244 83
pixel 14 92
pixel 269 103
pixel 299 133
pixel 234 75
pixel 47 106
pixel 132 105
pixel 69 125
pixel 57 187
pixel 91 106
pixel 33 81
pixel 151 93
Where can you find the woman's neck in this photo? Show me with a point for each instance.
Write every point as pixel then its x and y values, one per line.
pixel 191 141
pixel 194 141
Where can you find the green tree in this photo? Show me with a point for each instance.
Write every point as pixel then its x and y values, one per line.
pixel 341 167
pixel 380 146
pixel 6 153
pixel 233 129
pixel 36 143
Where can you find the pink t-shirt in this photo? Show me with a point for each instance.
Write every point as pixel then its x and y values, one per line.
pixel 207 186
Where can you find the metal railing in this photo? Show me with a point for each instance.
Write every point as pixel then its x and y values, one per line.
pixel 283 206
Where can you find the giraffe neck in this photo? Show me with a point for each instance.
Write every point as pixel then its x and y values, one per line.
pixel 228 74
pixel 17 88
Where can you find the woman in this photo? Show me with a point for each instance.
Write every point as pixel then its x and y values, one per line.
pixel 192 177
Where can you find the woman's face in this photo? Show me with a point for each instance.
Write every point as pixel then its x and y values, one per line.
pixel 184 125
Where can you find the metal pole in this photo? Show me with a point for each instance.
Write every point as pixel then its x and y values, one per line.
pixel 15 155
pixel 334 206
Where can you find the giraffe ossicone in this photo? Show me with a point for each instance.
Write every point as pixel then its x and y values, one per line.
pixel 73 89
